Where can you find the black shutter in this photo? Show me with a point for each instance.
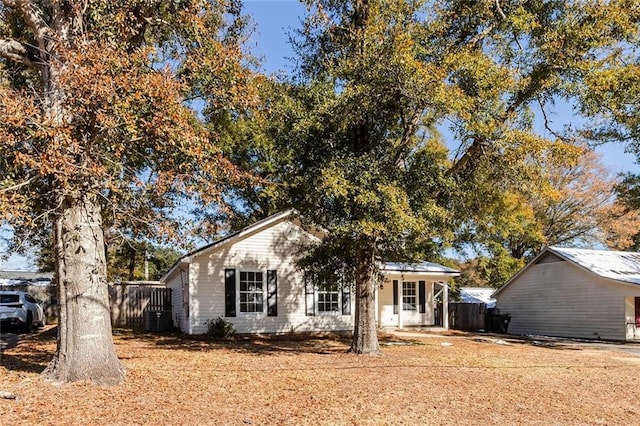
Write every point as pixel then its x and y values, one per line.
pixel 272 293
pixel 346 301
pixel 229 292
pixel 395 296
pixel 309 297
pixel 422 297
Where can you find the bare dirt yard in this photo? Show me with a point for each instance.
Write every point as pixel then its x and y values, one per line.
pixel 432 379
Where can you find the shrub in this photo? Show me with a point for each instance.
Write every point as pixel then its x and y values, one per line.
pixel 220 328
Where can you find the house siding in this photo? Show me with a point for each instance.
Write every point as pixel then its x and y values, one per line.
pixel 270 248
pixel 386 317
pixel 175 283
pixel 560 299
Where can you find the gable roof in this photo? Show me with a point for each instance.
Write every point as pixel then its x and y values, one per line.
pixel 617 265
pixel 622 266
pixel 264 223
pixel 420 268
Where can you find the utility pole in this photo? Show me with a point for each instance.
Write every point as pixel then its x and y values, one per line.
pixel 146 264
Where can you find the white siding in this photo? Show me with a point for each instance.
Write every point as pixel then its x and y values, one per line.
pixel 176 282
pixel 269 248
pixel 386 317
pixel 561 299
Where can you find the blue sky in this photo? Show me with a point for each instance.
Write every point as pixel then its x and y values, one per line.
pixel 273 20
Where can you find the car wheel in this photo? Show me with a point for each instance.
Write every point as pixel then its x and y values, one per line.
pixel 26 327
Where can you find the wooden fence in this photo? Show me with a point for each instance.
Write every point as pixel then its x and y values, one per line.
pixel 467 316
pixel 129 302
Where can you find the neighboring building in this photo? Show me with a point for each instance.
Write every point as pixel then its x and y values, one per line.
pixel 250 279
pixel 13 278
pixel 478 295
pixel 592 294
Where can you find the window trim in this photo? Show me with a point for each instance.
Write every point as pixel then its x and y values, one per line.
pixel 312 301
pixel 335 291
pixel 407 296
pixel 263 292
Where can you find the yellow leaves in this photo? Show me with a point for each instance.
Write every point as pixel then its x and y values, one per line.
pixel 333 180
pixel 620 227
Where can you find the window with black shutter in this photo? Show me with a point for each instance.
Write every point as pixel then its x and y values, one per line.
pixel 395 296
pixel 229 292
pixel 422 296
pixel 309 292
pixel 272 293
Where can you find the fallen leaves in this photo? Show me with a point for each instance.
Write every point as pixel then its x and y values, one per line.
pixel 174 379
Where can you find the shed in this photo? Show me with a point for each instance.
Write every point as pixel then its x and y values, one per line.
pixel 572 292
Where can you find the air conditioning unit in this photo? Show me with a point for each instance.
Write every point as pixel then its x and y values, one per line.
pixel 157 320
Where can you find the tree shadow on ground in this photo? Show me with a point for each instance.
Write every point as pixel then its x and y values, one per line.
pixel 316 343
pixel 534 341
pixel 32 353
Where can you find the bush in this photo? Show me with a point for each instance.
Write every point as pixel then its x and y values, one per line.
pixel 220 328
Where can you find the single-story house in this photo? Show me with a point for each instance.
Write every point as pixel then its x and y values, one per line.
pixel 580 293
pixel 250 279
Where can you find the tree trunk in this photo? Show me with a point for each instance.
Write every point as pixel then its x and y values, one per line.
pixel 365 336
pixel 85 349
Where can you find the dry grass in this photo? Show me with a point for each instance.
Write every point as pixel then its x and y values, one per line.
pixel 176 380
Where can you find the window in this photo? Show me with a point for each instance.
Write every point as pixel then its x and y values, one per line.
pixel 328 297
pixel 251 291
pixel 9 298
pixel 409 299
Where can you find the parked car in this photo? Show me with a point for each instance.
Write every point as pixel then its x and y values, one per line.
pixel 21 309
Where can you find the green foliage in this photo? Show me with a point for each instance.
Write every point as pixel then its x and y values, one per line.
pixel 220 328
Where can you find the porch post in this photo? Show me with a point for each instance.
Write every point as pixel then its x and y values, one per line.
pixel 445 305
pixel 400 304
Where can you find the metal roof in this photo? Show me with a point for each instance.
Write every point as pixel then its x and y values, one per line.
pixel 478 295
pixel 421 267
pixel 616 265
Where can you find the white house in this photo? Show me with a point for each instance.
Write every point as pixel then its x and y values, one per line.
pixel 580 293
pixel 250 279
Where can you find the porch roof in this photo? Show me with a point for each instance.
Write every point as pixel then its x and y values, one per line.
pixel 420 268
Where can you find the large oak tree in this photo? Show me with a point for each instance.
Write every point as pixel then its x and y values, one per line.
pixel 95 135
pixel 356 129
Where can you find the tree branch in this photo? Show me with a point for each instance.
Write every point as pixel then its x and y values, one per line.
pixel 32 15
pixel 17 186
pixel 500 10
pixel 15 51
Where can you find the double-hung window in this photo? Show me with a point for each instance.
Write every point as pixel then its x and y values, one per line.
pixel 251 291
pixel 409 296
pixel 328 298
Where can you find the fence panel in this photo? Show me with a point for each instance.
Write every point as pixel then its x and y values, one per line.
pixel 467 316
pixel 129 302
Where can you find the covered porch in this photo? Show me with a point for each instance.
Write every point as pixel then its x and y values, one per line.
pixel 410 295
